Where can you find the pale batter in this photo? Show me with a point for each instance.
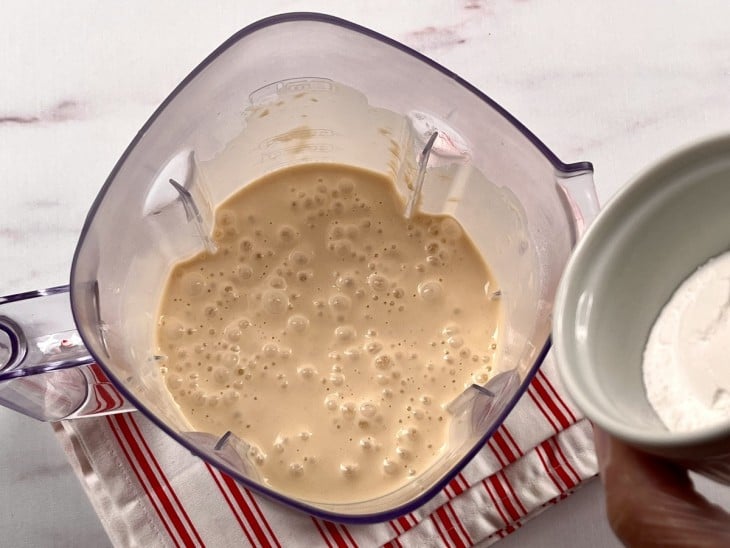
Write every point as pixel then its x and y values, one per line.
pixel 329 331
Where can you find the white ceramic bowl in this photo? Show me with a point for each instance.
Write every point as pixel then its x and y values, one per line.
pixel 667 222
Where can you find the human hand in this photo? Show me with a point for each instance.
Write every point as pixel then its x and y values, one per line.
pixel 652 502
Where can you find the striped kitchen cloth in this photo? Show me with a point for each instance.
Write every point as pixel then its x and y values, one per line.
pixel 149 491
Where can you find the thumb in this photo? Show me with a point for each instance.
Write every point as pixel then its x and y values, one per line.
pixel 652 502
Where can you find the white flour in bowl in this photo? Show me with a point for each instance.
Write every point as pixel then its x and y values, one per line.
pixel 687 357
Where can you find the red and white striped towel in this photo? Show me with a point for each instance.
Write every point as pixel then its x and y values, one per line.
pixel 150 491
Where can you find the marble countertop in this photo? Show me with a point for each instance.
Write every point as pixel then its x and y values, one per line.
pixel 618 83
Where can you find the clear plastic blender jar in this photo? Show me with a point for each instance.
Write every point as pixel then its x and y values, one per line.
pixel 331 91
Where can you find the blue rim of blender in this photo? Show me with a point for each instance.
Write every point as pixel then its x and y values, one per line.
pixel 375 517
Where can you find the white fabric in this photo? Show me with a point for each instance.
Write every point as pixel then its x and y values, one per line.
pixel 150 491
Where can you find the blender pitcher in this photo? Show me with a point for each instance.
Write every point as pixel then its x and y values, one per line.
pixel 293 89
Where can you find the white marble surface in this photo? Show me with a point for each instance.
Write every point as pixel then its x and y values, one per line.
pixel 617 83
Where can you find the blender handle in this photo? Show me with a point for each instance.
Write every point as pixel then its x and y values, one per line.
pixel 579 192
pixel 46 372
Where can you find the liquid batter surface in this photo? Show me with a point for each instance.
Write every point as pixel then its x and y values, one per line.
pixel 328 331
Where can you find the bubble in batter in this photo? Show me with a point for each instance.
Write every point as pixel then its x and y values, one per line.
pixel 430 290
pixel 344 333
pixel 287 234
pixel 306 371
pixel 390 466
pixel 339 303
pixel 193 284
pixel 172 328
pixel 368 409
pixel 298 323
pixel 275 301
pixel 377 282
pixel 349 469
